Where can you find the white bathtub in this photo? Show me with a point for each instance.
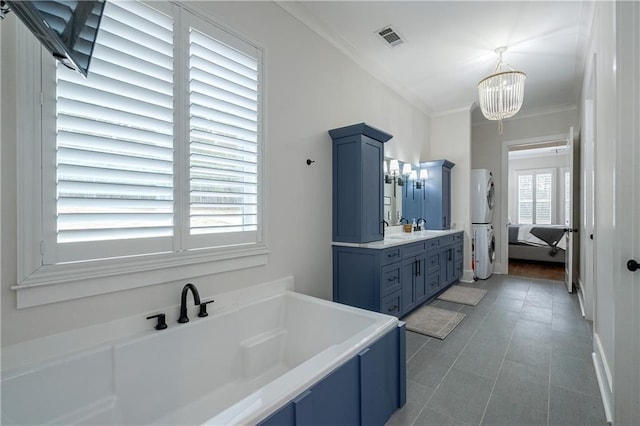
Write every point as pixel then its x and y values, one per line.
pixel 233 367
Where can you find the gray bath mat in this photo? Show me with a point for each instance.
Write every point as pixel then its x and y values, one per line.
pixel 464 295
pixel 434 322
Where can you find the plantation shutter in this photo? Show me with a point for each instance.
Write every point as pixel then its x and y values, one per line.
pixel 223 134
pixel 543 198
pixel 525 199
pixel 114 160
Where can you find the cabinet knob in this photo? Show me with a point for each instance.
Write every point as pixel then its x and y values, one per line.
pixel 632 265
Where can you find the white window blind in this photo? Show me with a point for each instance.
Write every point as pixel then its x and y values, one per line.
pixel 223 110
pixel 567 197
pixel 535 197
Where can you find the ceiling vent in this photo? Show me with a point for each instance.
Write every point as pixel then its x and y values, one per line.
pixel 390 36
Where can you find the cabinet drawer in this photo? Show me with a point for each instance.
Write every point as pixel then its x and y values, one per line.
pixel 447 240
pixel 412 249
pixel 458 252
pixel 433 243
pixel 391 304
pixel 458 237
pixel 390 255
pixel 390 279
pixel 433 262
pixel 433 282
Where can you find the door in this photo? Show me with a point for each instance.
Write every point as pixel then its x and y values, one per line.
pixel 568 221
pixel 626 276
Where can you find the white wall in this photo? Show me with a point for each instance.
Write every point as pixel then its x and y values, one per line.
pixel 451 140
pixel 486 153
pixel 310 88
pixel 552 161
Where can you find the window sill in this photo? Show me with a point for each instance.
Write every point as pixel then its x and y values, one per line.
pixel 58 283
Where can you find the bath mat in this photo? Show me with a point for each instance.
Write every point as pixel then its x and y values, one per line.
pixel 464 295
pixel 434 322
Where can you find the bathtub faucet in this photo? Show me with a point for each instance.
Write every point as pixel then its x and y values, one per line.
pixel 183 301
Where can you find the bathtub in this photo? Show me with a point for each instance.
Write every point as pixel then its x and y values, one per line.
pixel 238 366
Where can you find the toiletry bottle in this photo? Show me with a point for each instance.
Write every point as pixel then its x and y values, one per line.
pixel 413 225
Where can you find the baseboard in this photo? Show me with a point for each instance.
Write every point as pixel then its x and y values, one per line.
pixel 604 377
pixel 467 276
pixel 581 297
pixel 499 268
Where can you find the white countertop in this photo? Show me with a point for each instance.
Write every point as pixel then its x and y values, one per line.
pixel 399 238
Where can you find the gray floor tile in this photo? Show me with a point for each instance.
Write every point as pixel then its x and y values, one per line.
pixel 536 313
pixel 574 373
pixel 509 303
pixel 417 397
pixel 573 408
pixel 524 383
pixel 414 342
pixel 481 359
pixel 571 345
pixel 530 353
pixel 471 322
pixel 488 334
pixel 462 396
pixel 428 367
pixel 543 299
pixel 533 331
pixel 504 410
pixel 571 325
pixel 453 343
pixel 430 417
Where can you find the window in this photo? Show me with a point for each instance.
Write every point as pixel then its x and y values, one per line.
pixel 535 195
pixel 158 153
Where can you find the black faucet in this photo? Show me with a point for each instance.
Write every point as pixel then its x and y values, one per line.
pixel 183 301
pixel 418 223
pixel 404 218
pixel 384 223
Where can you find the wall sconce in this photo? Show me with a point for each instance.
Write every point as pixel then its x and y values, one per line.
pixel 385 170
pixel 406 172
pixel 394 171
pixel 416 183
pixel 424 175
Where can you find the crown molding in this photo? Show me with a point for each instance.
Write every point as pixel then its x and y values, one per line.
pixel 530 113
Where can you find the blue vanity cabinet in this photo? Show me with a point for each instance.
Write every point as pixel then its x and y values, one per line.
pixel 437 203
pixel 368 278
pixel 358 192
pixel 366 390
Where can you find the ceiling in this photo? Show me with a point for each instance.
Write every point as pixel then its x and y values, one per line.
pixel 449 46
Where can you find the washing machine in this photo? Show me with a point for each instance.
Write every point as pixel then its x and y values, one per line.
pixel 482 193
pixel 483 247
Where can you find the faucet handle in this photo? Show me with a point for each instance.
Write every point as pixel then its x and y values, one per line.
pixel 203 308
pixel 162 323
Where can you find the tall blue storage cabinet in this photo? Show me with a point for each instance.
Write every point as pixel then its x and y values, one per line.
pixel 358 191
pixel 437 203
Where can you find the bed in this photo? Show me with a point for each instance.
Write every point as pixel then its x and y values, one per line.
pixel 542 243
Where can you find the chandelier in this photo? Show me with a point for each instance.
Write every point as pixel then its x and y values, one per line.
pixel 501 94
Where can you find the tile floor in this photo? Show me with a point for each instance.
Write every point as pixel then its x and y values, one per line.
pixel 522 356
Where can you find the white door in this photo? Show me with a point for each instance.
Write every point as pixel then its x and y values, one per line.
pixel 626 376
pixel 568 221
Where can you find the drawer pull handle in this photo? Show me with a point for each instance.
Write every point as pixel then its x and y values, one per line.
pixel 393 308
pixel 392 254
pixel 392 278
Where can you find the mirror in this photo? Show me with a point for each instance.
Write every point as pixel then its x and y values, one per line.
pixel 393 188
pixel 402 181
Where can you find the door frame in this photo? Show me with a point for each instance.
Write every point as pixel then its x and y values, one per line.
pixel 503 266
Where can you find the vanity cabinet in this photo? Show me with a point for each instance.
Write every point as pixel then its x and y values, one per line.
pixel 397 279
pixel 436 206
pixel 358 193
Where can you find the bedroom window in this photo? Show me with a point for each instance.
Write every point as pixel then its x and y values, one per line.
pixel 156 157
pixel 535 195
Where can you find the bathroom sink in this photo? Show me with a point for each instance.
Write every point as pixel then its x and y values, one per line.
pixel 398 236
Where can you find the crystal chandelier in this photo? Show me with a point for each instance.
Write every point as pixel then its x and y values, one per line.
pixel 501 94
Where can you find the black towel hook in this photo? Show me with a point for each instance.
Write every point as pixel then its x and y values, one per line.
pixel 310 161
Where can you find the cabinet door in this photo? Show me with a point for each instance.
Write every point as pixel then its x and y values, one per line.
pixel 421 279
pixel 372 189
pixel 409 270
pixel 446 198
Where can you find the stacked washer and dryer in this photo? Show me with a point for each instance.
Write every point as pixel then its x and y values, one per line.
pixel 483 242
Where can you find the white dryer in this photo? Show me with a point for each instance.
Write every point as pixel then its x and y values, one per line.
pixel 483 247
pixel 482 193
